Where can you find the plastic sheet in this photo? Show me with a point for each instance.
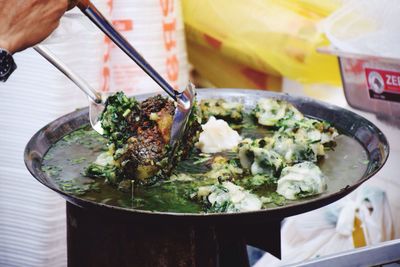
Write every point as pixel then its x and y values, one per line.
pixel 368 27
pixel 362 218
pixel 272 37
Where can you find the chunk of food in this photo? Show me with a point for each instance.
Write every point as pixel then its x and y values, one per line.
pixel 139 135
pixel 305 139
pixel 144 152
pixel 301 180
pixel 217 136
pixel 258 156
pixel 227 197
pixel 223 169
pixel 296 150
pixel 114 117
pixel 221 109
pixel 269 112
pixel 104 167
pixel 297 139
pixel 309 130
pixel 258 181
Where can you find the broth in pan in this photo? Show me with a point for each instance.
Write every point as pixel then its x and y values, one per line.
pixel 68 159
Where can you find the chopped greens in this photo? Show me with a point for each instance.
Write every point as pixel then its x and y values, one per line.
pixel 271 112
pixel 138 134
pixel 221 109
pixel 227 197
pixel 113 119
pixel 107 172
pixel 75 188
pixel 259 180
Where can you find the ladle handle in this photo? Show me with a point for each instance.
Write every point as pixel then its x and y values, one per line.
pixel 75 78
pixel 103 24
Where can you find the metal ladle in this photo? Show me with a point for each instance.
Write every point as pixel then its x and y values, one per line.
pixel 96 100
pixel 184 100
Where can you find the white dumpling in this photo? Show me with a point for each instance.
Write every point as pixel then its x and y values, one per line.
pixel 269 111
pixel 301 180
pixel 238 198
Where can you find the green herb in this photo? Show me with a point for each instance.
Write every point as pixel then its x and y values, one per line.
pixel 257 181
pixel 52 171
pixel 274 198
pixel 201 160
pixel 74 188
pixel 114 117
pixel 78 160
pixel 108 172
pixel 220 207
pixel 48 156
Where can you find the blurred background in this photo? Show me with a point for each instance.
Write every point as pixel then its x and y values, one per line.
pixel 320 49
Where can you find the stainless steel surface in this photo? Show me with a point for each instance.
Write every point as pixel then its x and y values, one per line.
pixel 96 103
pixel 336 52
pixel 381 254
pixel 370 82
pixel 185 102
pixel 74 77
pixel 367 134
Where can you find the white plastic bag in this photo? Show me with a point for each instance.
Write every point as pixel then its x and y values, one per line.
pixel 366 27
pixel 330 229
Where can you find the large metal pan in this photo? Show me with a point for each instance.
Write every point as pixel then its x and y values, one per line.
pixel 367 134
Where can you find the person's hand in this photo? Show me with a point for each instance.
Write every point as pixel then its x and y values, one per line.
pixel 24 23
pixel 73 3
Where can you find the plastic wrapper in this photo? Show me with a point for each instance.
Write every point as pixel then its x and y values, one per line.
pixel 365 27
pixel 273 37
pixel 360 219
pixel 364 37
pixel 224 72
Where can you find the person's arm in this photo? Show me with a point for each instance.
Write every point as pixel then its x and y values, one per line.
pixel 24 23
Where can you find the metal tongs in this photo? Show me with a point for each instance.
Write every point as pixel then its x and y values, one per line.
pixel 184 100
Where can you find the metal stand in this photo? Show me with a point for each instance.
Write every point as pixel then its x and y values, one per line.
pixel 95 239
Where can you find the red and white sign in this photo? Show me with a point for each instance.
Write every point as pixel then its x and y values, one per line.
pixel 381 81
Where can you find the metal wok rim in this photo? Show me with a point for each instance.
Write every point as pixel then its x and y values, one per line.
pixel 283 211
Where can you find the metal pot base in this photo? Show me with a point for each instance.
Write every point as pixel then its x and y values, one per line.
pixel 95 239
